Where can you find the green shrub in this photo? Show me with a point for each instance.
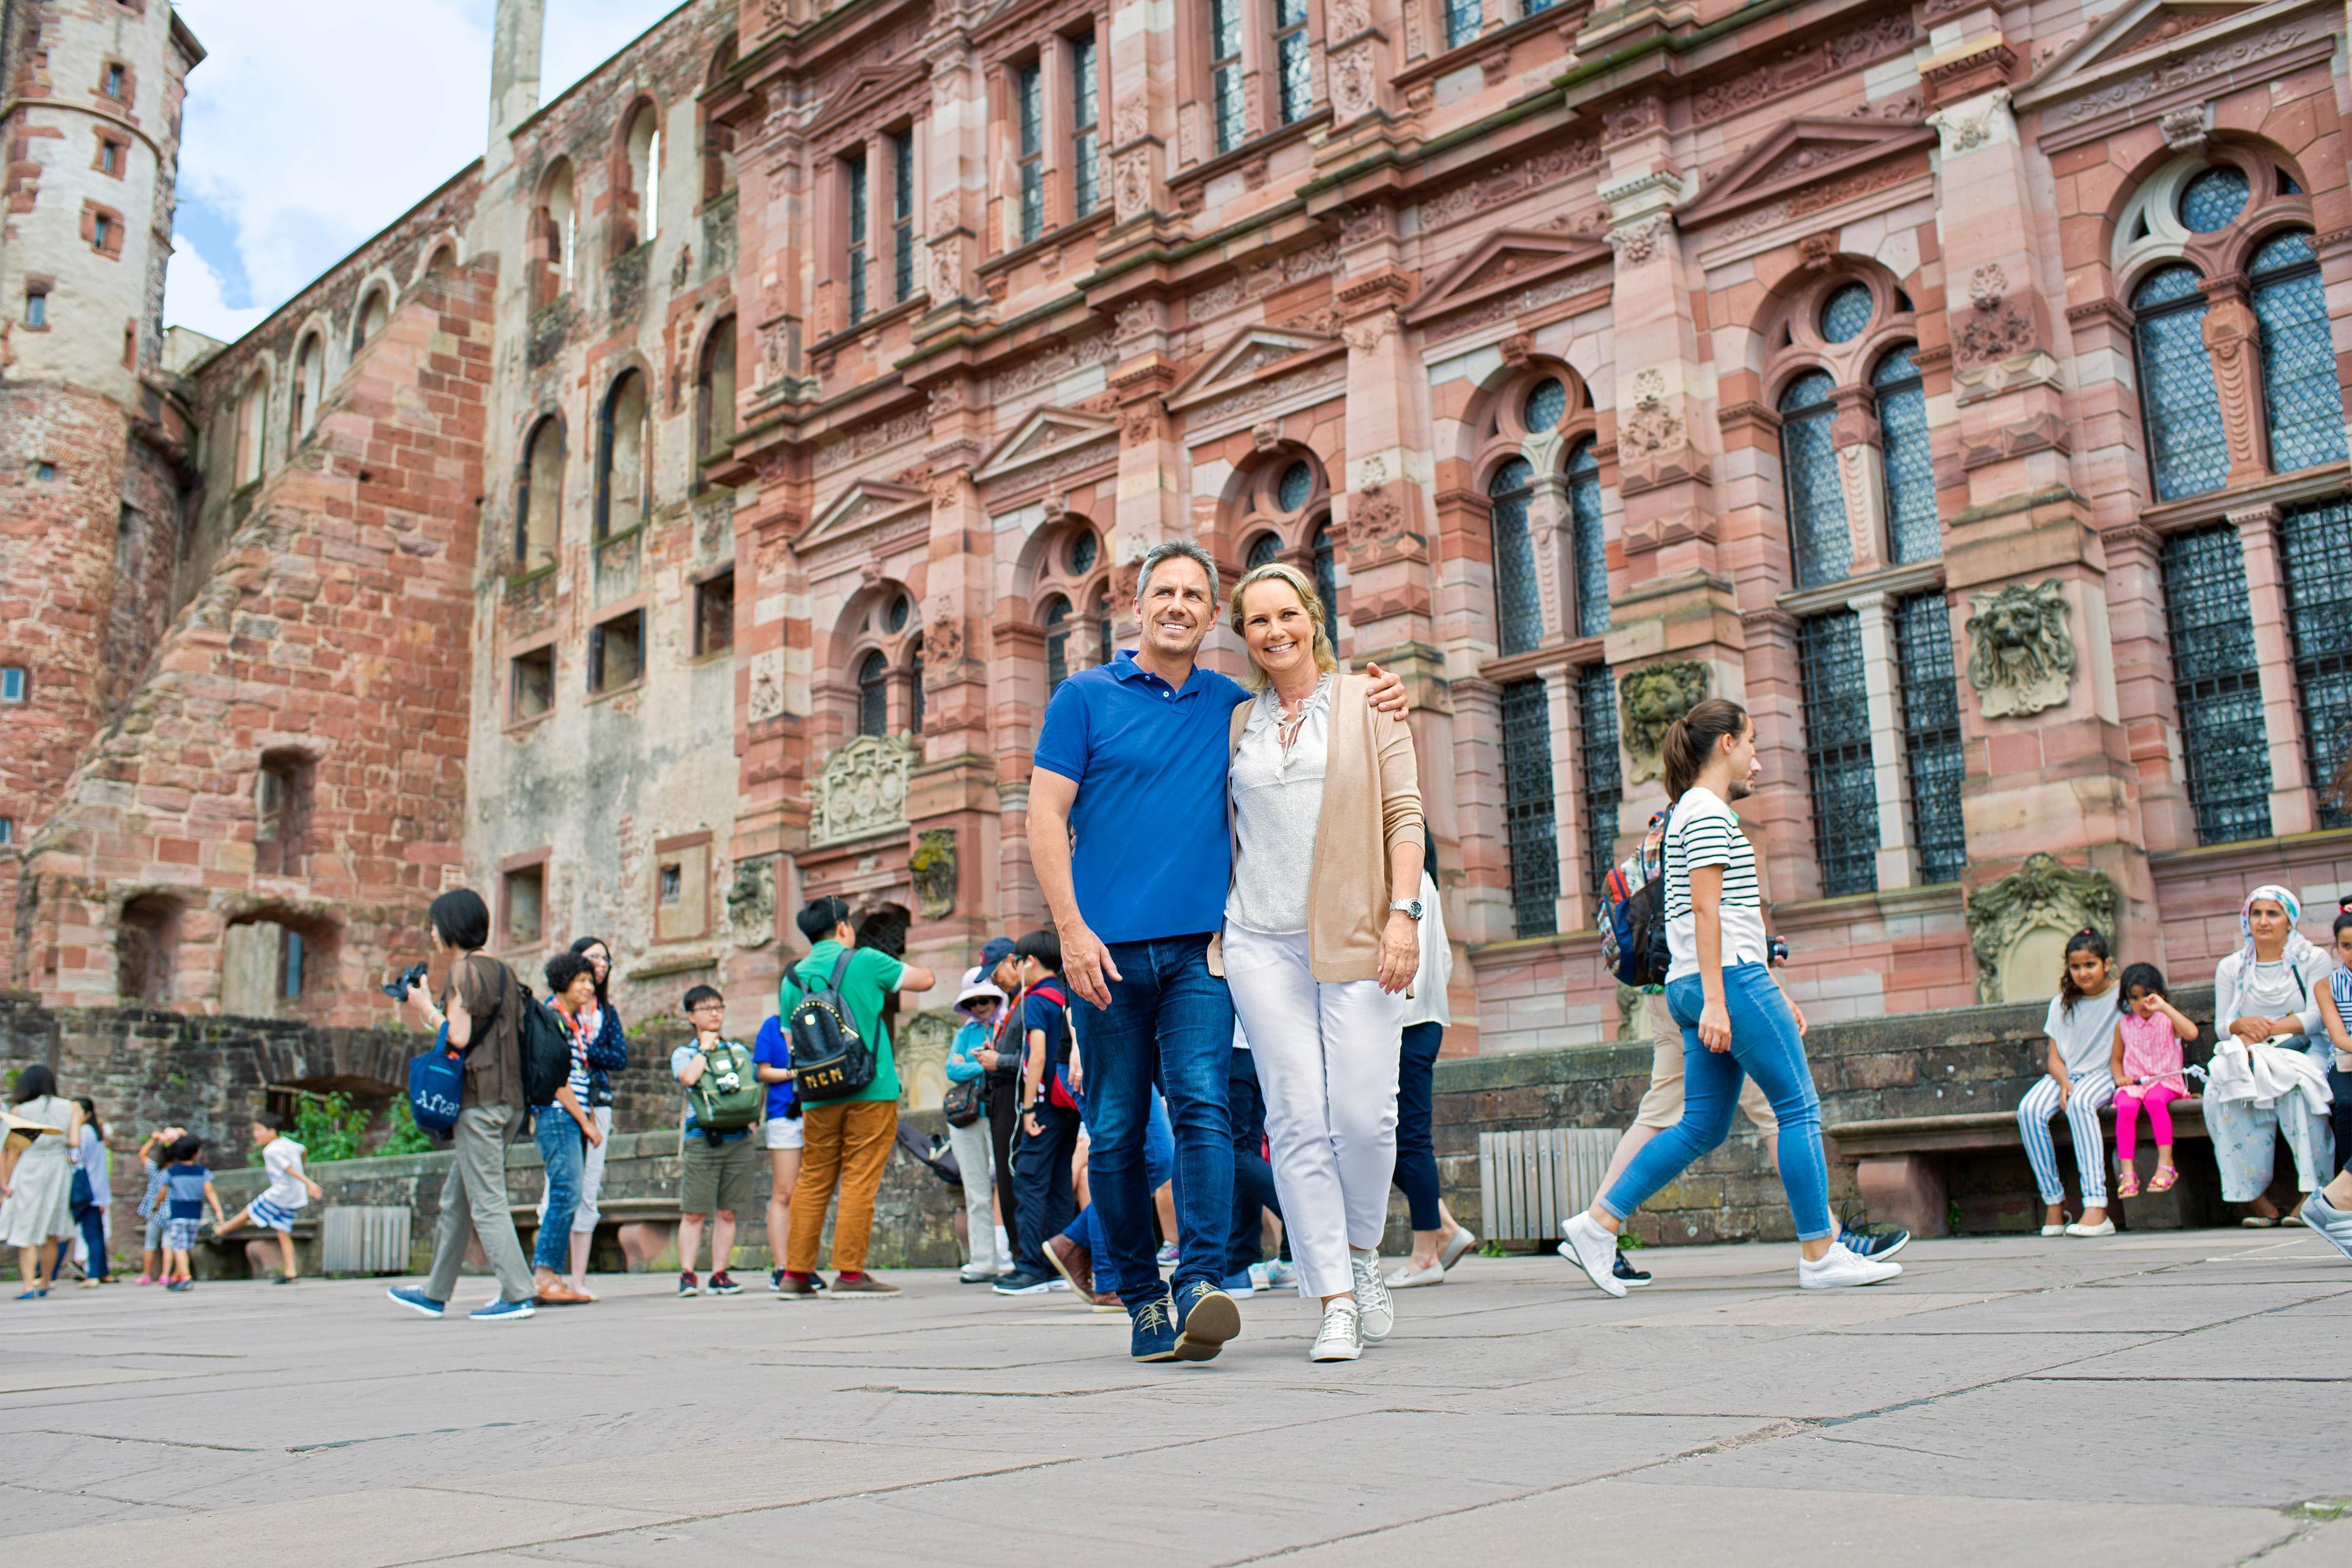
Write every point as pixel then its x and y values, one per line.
pixel 403 1137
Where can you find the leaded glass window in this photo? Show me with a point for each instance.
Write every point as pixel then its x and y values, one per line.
pixel 915 688
pixel 2213 198
pixel 1086 119
pixel 856 171
pixel 1817 525
pixel 1596 699
pixel 1226 73
pixel 1463 18
pixel 1847 312
pixel 1547 405
pixel 902 216
pixel 1534 6
pixel 2316 546
pixel 1057 642
pixel 2300 397
pixel 1591 548
pixel 1519 612
pixel 1104 646
pixel 1290 56
pixel 1912 533
pixel 1837 753
pixel 1029 111
pixel 1296 488
pixel 874 695
pixel 2217 685
pixel 1084 549
pixel 2187 451
pixel 1264 550
pixel 1326 582
pixel 1931 734
pixel 1527 816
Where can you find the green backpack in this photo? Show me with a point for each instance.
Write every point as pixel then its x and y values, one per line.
pixel 729 1096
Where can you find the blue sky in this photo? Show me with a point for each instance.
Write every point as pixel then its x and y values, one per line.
pixel 312 123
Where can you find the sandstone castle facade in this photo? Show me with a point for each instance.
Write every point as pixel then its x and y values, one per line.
pixel 690 506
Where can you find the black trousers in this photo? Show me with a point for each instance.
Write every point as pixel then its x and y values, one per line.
pixel 1044 1192
pixel 1416 1152
pixel 1252 1177
pixel 1004 1128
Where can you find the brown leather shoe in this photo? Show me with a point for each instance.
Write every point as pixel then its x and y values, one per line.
pixel 557 1293
pixel 1108 1301
pixel 1073 1263
pixel 862 1285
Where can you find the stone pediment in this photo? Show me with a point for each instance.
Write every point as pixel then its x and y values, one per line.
pixel 2153 55
pixel 867 84
pixel 1804 152
pixel 1046 434
pixel 1248 351
pixel 1505 261
pixel 856 509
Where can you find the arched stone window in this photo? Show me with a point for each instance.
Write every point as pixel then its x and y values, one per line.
pixel 636 206
pixel 1263 549
pixel 874 694
pixel 2187 450
pixel 718 138
pixel 1518 610
pixel 309 384
pixel 1816 497
pixel 252 409
pixel 1055 619
pixel 1586 541
pixel 1912 533
pixel 1327 582
pixel 623 474
pixel 556 223
pixel 373 312
pixel 714 396
pixel 538 506
pixel 2302 401
pixel 1285 495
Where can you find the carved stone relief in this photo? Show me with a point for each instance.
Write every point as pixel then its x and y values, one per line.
pixel 933 867
pixel 861 790
pixel 1649 700
pixel 2018 925
pixel 751 902
pixel 766 700
pixel 2021 653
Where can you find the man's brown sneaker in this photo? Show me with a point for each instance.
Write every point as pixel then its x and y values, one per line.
pixel 862 1285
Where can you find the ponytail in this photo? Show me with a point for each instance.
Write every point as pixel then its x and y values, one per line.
pixel 1692 739
pixel 2083 941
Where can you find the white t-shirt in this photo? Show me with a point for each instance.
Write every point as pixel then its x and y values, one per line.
pixel 2085 1038
pixel 1704 831
pixel 282 1157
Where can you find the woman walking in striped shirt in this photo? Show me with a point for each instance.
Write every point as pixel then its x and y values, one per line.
pixel 1735 1019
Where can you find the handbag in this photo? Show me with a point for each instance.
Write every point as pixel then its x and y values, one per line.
pixel 436 1083
pixel 964 1103
pixel 81 1196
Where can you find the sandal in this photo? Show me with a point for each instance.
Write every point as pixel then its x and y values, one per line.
pixel 2128 1185
pixel 2163 1181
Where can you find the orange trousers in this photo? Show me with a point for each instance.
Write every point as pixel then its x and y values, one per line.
pixel 847 1146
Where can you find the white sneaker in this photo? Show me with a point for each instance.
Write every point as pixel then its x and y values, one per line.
pixel 1594 1250
pixel 1837 1267
pixel 1341 1337
pixel 2329 1223
pixel 1375 1312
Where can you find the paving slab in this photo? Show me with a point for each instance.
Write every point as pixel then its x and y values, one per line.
pixel 1948 1416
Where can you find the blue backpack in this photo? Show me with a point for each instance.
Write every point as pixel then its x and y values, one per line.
pixel 1633 911
pixel 435 1081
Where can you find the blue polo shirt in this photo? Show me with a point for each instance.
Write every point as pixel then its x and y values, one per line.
pixel 1152 854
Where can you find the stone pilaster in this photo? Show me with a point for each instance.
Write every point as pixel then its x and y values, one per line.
pixel 2293 805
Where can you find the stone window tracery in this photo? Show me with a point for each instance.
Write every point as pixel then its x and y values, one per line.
pixel 1286 495
pixel 1073 593
pixel 2188 449
pixel 2302 404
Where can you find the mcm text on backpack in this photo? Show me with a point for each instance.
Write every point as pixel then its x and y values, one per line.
pixel 830 1059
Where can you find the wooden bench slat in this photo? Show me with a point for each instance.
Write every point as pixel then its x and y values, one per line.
pixel 1976 1131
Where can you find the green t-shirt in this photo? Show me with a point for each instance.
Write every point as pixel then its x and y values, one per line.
pixel 870 978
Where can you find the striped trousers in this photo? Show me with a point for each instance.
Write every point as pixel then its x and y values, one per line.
pixel 2092 1092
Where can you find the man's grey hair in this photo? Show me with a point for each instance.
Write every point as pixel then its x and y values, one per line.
pixel 1189 550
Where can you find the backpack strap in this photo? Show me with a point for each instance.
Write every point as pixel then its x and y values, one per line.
pixel 840 968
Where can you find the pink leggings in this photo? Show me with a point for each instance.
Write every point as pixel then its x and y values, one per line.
pixel 2159 1098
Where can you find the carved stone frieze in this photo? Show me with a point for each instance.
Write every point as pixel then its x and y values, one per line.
pixel 1794 68
pixel 843 450
pixel 861 790
pixel 2018 925
pixel 1509 183
pixel 1264 278
pixel 2188 70
pixel 2020 652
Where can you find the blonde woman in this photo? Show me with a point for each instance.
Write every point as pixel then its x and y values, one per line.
pixel 1321 942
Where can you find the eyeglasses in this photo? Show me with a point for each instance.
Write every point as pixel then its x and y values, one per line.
pixel 707 1007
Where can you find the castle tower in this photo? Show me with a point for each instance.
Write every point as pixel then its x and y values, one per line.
pixel 93 454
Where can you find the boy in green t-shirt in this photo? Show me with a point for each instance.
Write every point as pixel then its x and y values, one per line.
pixel 847 1140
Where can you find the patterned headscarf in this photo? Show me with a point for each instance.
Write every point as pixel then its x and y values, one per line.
pixel 2297 944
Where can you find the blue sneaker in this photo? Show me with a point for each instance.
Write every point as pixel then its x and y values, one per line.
pixel 1205 1318
pixel 2328 1223
pixel 501 1313
pixel 1240 1283
pixel 1154 1323
pixel 417 1300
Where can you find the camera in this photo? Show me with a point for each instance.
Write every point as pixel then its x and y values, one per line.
pixel 398 989
pixel 1778 952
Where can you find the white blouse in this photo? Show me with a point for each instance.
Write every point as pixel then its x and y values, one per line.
pixel 1277 799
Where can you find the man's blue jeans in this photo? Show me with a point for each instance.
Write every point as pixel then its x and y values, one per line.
pixel 1159 1165
pixel 1765 1045
pixel 1171 1021
pixel 561 1150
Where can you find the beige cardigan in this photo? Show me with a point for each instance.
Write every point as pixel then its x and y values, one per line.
pixel 1371 801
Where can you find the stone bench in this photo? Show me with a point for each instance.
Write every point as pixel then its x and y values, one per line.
pixel 259 1245
pixel 1899 1162
pixel 644 1227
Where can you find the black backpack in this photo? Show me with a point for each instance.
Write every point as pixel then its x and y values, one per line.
pixel 831 1060
pixel 546 1047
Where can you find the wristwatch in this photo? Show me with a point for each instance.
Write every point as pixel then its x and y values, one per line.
pixel 1409 906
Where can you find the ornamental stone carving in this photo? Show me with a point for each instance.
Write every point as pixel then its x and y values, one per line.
pixel 2018 925
pixel 1649 700
pixel 767 696
pixel 861 791
pixel 1131 184
pixel 1636 242
pixel 751 902
pixel 1352 81
pixel 933 867
pixel 943 643
pixel 2021 653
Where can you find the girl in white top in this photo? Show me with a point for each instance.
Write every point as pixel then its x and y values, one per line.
pixel 2082 1030
pixel 2261 992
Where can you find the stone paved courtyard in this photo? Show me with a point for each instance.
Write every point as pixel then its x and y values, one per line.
pixel 2179 1399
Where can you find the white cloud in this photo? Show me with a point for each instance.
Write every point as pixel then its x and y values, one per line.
pixel 310 124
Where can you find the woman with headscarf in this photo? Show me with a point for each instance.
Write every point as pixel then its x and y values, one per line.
pixel 2264 1082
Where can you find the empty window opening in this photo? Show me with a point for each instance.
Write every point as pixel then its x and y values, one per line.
pixel 620 486
pixel 616 652
pixel 539 510
pixel 714 614
pixel 36 307
pixel 281 811
pixel 532 689
pixel 522 904
pixel 682 891
pixel 373 313
pixel 644 207
pixel 145 945
pixel 714 385
pixel 310 381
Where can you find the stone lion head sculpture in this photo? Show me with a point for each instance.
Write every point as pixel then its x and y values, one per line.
pixel 1649 700
pixel 2021 653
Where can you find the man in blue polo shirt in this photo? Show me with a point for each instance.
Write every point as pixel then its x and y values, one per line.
pixel 1131 765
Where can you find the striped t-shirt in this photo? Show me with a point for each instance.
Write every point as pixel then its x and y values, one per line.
pixel 1703 831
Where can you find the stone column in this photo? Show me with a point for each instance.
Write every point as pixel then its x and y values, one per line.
pixel 957 150
pixel 2294 807
pixel 1896 867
